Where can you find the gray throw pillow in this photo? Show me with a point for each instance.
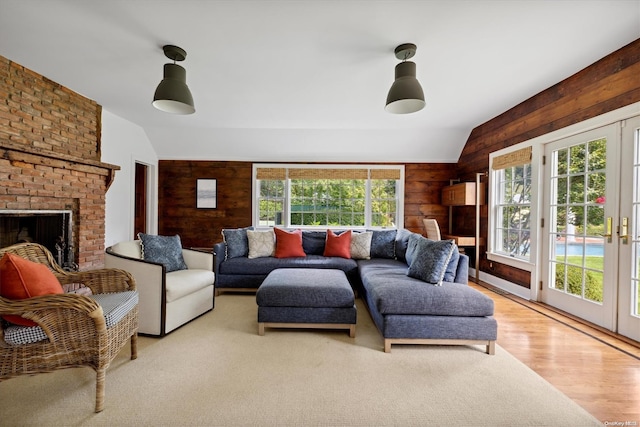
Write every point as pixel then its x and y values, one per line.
pixel 237 242
pixel 430 259
pixel 166 250
pixel 412 244
pixel 313 242
pixel 402 240
pixel 383 244
pixel 452 267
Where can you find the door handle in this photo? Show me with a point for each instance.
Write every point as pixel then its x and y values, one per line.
pixel 624 230
pixel 608 226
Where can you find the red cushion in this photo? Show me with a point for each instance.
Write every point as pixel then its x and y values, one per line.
pixel 21 279
pixel 288 243
pixel 338 244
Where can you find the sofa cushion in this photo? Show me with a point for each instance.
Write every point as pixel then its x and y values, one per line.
pixel 237 242
pixel 430 259
pixel 338 245
pixel 21 279
pixel 166 250
pixel 383 244
pixel 361 245
pixel 313 242
pixel 114 307
pixel 305 287
pixel 288 243
pixel 264 266
pixel 262 243
pixel 391 291
pixel 19 335
pixel 185 282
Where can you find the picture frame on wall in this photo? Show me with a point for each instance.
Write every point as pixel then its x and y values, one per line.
pixel 206 194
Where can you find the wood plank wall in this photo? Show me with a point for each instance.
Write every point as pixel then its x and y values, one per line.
pixel 177 212
pixel 606 85
pixel 202 227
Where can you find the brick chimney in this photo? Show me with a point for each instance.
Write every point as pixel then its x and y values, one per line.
pixel 50 156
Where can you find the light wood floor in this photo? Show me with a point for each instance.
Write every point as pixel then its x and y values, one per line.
pixel 598 370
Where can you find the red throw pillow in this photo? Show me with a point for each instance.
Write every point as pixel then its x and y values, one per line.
pixel 21 279
pixel 288 243
pixel 338 244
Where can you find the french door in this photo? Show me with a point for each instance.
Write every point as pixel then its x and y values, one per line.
pixel 579 246
pixel 591 242
pixel 629 235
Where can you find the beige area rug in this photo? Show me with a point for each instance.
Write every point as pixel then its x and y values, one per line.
pixel 217 371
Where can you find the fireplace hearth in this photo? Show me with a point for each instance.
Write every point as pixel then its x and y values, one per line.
pixel 50 228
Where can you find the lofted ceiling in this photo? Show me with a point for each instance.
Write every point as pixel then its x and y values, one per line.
pixel 307 80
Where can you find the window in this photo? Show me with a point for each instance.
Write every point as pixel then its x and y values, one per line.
pixel 510 214
pixel 328 196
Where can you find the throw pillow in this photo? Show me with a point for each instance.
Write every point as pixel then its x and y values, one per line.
pixel 338 244
pixel 313 242
pixel 237 242
pixel 412 244
pixel 361 245
pixel 402 240
pixel 289 243
pixel 165 250
pixel 430 259
pixel 21 279
pixel 262 243
pixel 383 244
pixel 452 267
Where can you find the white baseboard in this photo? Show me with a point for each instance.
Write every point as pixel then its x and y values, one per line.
pixel 499 283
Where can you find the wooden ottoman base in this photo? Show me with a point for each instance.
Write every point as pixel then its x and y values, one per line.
pixel 350 327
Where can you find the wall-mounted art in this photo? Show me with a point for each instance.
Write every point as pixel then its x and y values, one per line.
pixel 206 194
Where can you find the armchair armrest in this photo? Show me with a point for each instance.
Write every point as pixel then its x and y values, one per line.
pixel 219 253
pixel 198 259
pixel 150 280
pixel 102 281
pixel 58 314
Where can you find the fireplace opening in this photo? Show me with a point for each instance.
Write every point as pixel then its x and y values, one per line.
pixel 52 229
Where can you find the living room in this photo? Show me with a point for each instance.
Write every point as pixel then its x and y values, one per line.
pixel 99 161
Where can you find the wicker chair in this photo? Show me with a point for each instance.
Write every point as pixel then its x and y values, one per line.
pixel 74 323
pixel 432 229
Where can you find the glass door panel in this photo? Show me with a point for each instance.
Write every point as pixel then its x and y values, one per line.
pixel 629 235
pixel 579 255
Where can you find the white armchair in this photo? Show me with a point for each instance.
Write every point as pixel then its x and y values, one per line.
pixel 167 300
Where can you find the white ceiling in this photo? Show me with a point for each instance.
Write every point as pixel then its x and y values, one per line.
pixel 307 80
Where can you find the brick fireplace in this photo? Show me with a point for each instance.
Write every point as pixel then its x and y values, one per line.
pixel 50 157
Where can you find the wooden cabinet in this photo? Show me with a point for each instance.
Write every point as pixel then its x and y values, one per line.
pixel 462 194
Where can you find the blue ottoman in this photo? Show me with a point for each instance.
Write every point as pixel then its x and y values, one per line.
pixel 306 298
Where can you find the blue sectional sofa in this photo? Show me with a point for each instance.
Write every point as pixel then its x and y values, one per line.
pixel 405 308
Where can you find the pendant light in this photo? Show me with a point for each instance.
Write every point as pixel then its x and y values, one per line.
pixel 406 95
pixel 173 94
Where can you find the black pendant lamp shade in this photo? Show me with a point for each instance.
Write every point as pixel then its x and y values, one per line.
pixel 405 95
pixel 173 94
